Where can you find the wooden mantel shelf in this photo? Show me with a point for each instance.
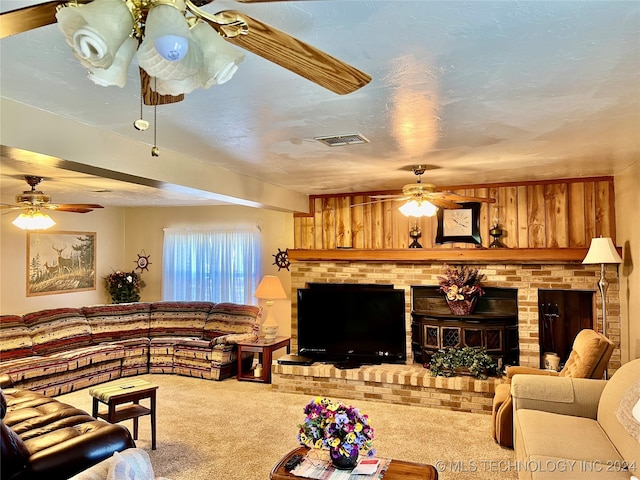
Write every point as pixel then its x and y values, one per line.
pixel 414 255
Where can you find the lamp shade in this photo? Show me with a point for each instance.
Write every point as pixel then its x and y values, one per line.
pixel 270 288
pixel 33 221
pixel 418 209
pixel 601 251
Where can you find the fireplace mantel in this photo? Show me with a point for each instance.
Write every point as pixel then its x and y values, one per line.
pixel 414 255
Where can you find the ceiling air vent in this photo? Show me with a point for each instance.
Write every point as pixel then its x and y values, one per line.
pixel 339 140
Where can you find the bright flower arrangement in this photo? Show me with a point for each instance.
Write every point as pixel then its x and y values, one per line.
pixel 461 283
pixel 124 287
pixel 343 430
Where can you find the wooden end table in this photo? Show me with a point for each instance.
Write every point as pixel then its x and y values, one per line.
pixel 264 348
pixel 118 394
pixel 398 469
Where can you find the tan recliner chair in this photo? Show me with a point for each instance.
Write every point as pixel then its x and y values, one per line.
pixel 589 358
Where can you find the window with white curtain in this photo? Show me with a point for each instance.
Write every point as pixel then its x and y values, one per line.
pixel 211 265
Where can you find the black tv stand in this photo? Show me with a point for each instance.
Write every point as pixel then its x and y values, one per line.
pixel 349 364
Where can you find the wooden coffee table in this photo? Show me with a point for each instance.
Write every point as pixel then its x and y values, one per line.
pixel 398 469
pixel 117 395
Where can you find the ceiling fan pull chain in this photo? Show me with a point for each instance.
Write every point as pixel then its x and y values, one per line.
pixel 141 124
pixel 155 151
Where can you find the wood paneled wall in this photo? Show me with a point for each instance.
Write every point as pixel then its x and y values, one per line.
pixel 550 214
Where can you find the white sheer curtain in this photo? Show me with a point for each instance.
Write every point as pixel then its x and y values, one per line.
pixel 212 265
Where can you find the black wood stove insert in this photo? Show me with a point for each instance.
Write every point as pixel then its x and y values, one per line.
pixel 493 325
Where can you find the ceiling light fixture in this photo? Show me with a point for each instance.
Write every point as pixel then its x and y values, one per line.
pixel 174 48
pixel 415 208
pixel 34 220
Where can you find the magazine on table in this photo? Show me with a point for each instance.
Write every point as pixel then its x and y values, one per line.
pixel 319 468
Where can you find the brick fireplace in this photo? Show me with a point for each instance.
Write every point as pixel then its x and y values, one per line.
pixel 526 278
pixel 458 393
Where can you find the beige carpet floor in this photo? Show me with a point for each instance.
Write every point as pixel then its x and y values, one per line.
pixel 240 430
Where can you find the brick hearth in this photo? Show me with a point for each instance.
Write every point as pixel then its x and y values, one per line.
pixel 399 384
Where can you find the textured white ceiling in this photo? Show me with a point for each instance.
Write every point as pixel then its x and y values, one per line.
pixel 486 91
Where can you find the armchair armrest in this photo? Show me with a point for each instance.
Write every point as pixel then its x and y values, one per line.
pixel 517 370
pixel 234 338
pixel 563 395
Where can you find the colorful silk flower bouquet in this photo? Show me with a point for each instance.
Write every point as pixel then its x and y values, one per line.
pixel 343 430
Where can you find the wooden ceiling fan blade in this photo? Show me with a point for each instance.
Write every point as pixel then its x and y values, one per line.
pixel 7 206
pixel 72 207
pixel 288 52
pixel 69 208
pixel 397 196
pixel 375 201
pixel 439 202
pixel 454 197
pixel 28 18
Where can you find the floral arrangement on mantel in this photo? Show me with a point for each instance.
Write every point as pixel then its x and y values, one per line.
pixel 461 286
pixel 124 287
pixel 455 361
pixel 345 431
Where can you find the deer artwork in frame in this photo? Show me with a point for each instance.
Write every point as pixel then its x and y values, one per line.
pixel 60 262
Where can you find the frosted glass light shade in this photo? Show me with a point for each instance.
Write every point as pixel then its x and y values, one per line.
pixel 96 30
pixel 33 221
pixel 220 58
pixel 418 209
pixel 116 74
pixel 167 20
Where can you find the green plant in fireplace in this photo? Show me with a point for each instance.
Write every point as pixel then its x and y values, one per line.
pixel 453 361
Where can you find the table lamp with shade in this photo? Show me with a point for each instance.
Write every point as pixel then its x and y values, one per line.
pixel 270 289
pixel 602 251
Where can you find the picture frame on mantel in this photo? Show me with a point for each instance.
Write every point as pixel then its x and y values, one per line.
pixel 459 225
pixel 60 262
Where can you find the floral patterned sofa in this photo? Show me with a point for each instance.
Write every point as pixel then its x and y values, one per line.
pixel 59 350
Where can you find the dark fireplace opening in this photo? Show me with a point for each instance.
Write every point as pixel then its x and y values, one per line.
pixel 493 325
pixel 561 315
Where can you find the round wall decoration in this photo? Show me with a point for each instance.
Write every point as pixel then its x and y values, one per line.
pixel 143 261
pixel 282 259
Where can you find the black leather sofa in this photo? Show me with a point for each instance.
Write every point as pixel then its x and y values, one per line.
pixel 41 437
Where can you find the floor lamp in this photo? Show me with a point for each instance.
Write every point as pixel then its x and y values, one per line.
pixel 602 251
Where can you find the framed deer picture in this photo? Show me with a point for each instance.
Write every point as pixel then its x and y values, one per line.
pixel 60 262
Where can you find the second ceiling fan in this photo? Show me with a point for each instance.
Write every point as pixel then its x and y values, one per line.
pixel 422 199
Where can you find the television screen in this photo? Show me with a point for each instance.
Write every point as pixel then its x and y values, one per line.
pixel 351 325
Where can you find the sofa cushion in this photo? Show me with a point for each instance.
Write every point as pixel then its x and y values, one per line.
pixel 554 435
pixel 15 338
pixel 21 369
pixel 614 391
pixel 119 321
pixel 58 330
pixel 91 355
pixel 227 318
pixel 178 318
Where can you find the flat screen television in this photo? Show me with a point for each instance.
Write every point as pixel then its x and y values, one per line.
pixel 352 324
